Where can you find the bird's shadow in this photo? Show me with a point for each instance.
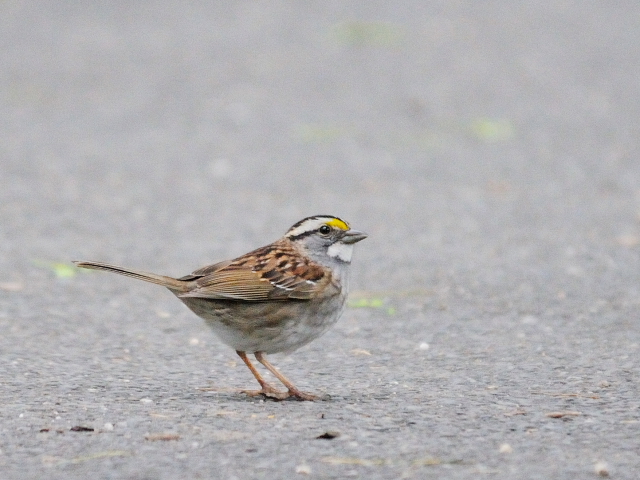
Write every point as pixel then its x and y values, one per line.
pixel 238 395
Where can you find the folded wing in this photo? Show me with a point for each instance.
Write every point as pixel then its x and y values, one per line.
pixel 275 272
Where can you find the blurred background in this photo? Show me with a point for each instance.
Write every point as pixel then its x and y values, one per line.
pixel 490 149
pixel 462 136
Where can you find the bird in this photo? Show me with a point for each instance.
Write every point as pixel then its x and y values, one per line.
pixel 274 299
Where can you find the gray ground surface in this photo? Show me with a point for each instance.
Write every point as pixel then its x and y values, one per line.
pixel 489 148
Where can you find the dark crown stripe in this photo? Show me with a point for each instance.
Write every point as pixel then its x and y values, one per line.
pixel 302 235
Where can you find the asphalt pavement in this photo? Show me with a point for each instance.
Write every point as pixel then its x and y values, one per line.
pixel 491 151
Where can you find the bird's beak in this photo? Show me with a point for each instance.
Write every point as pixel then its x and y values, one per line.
pixel 353 236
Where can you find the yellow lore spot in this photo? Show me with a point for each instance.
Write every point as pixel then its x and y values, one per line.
pixel 337 223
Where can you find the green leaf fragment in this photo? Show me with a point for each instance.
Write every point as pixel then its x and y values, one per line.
pixel 367 303
pixel 492 130
pixel 60 269
pixel 357 33
pixel 318 133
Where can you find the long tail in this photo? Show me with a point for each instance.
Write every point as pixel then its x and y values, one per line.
pixel 169 282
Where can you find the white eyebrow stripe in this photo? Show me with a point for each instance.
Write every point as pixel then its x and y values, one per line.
pixel 308 226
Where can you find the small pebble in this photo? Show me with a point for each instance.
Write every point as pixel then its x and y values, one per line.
pixel 505 448
pixel 602 469
pixel 567 413
pixel 303 469
pixel 360 351
pixel 11 286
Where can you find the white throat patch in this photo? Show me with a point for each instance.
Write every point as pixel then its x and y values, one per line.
pixel 341 251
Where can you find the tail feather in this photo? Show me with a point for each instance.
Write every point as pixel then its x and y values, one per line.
pixel 169 282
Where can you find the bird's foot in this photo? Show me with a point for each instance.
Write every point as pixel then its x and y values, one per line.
pixel 298 395
pixel 270 392
pixel 267 390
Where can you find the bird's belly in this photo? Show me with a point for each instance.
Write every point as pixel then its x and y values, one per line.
pixel 268 327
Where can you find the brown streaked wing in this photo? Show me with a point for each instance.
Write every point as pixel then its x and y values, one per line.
pixel 232 284
pixel 274 272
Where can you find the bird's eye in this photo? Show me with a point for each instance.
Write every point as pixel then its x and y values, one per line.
pixel 325 229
